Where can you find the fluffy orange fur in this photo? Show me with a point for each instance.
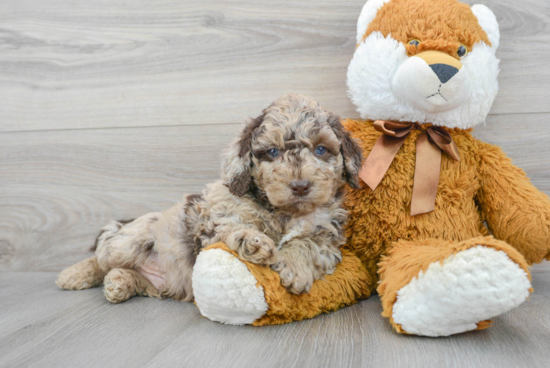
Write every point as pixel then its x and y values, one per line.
pixel 387 247
pixel 384 239
pixel 349 283
pixel 408 20
pixel 406 259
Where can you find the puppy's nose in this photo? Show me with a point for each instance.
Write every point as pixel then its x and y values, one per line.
pixel 300 188
pixel 444 72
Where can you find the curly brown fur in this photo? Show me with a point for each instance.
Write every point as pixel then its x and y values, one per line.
pixel 83 275
pixel 98 237
pixel 280 210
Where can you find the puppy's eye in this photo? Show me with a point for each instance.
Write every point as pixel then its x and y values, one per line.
pixel 414 42
pixel 274 152
pixel 462 51
pixel 320 151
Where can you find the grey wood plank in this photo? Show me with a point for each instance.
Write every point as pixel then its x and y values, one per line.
pixel 357 337
pixel 101 64
pixel 541 267
pixel 67 329
pixel 524 138
pixel 71 65
pixel 195 70
pixel 51 327
pixel 58 188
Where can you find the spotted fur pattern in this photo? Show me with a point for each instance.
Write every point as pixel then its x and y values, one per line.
pixel 253 209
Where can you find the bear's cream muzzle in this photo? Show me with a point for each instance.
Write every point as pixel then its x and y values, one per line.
pixel 432 81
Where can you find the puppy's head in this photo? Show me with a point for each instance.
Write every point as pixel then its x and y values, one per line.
pixel 296 153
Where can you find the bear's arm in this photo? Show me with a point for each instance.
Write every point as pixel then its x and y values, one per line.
pixel 514 209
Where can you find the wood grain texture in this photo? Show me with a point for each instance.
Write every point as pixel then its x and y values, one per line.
pixel 60 187
pixel 43 326
pixel 524 138
pixel 111 109
pixel 73 65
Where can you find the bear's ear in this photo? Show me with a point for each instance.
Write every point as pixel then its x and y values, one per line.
pixel 487 20
pixel 370 9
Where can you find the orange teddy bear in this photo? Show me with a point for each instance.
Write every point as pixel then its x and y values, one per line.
pixel 423 74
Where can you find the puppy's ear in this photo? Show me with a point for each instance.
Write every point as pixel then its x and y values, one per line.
pixel 236 160
pixel 351 151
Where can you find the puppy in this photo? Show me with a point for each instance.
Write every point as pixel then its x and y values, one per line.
pixel 278 205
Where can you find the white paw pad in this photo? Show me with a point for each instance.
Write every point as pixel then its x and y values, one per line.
pixel 452 297
pixel 225 290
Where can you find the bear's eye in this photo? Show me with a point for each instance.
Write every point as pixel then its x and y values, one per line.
pixel 414 42
pixel 462 51
pixel 274 152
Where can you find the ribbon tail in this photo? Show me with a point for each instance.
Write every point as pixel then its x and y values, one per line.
pixel 379 160
pixel 444 141
pixel 426 176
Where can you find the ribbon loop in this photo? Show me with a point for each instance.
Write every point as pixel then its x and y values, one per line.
pixel 392 129
pixel 443 140
pixel 428 160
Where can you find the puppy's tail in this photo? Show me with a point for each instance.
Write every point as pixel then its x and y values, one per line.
pixel 108 231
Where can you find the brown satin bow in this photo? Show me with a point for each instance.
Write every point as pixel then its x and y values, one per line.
pixel 429 145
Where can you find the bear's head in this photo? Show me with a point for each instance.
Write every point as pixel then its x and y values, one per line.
pixel 425 61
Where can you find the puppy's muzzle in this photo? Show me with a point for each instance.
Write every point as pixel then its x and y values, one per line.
pixel 300 188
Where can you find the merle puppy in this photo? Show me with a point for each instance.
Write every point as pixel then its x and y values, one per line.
pixel 279 204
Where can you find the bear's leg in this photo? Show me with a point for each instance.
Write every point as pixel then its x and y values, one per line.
pixel 439 288
pixel 232 291
pixel 122 284
pixel 83 275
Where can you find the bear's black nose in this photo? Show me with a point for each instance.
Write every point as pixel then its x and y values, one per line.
pixel 444 72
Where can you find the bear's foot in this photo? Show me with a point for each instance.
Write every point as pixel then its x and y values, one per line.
pixel 461 293
pixel 225 290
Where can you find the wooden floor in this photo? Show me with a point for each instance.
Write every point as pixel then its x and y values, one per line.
pixel 110 109
pixel 43 326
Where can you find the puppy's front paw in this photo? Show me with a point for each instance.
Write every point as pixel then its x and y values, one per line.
pixel 297 281
pixel 255 247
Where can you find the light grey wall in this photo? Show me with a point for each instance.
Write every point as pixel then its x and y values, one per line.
pixel 110 109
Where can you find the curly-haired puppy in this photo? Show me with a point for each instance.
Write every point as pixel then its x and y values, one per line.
pixel 278 204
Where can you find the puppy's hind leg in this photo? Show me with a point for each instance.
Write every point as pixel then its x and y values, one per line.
pixel 88 273
pixel 122 284
pixel 83 275
pixel 119 244
pixel 126 245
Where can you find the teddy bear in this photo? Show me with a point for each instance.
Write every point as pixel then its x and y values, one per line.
pixel 444 226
